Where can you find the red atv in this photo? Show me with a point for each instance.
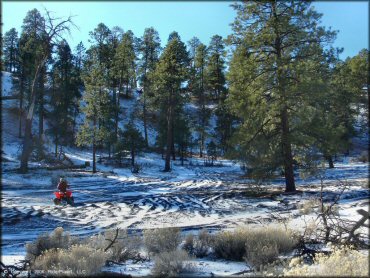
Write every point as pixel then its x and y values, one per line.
pixel 63 197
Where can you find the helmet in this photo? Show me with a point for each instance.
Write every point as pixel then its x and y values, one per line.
pixel 62 179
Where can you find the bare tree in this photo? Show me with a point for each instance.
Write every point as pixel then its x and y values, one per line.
pixel 53 29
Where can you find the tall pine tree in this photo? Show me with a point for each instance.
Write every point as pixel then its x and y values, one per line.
pixel 272 39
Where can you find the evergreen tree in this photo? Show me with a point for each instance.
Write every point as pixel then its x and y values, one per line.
pixel 199 88
pixel 150 49
pixel 64 98
pixel 46 31
pixel 38 50
pixel 79 58
pixel 168 79
pixel 102 53
pixel 96 107
pixel 215 68
pixel 133 141
pixel 10 50
pixel 124 69
pixel 216 85
pixel 272 39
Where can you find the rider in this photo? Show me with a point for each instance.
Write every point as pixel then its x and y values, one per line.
pixel 62 185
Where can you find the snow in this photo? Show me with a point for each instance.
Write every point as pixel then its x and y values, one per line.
pixel 6 84
pixel 191 196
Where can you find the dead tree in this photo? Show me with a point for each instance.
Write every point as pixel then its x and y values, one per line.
pixel 53 29
pixel 333 228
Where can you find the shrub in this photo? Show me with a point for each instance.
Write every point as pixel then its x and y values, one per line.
pixel 309 206
pixel 364 157
pixel 257 246
pixel 162 240
pixel 78 259
pixel 230 245
pixel 57 239
pixel 199 245
pixel 261 254
pixel 124 248
pixel 170 264
pixel 344 261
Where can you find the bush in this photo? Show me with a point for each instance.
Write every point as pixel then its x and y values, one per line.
pixel 199 245
pixel 256 246
pixel 124 248
pixel 170 264
pixel 344 261
pixel 364 157
pixel 57 239
pixel 162 240
pixel 78 259
pixel 309 206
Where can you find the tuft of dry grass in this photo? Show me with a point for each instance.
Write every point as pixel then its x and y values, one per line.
pixel 162 240
pixel 77 260
pixel 344 261
pixel 124 248
pixel 171 264
pixel 309 206
pixel 57 239
pixel 198 245
pixel 257 246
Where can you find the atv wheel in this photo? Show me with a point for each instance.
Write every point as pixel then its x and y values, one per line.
pixel 57 201
pixel 70 201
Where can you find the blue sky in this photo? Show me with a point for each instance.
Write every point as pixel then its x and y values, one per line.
pixel 201 19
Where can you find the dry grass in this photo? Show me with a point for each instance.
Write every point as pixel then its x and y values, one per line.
pixel 125 247
pixel 57 239
pixel 309 206
pixel 171 264
pixel 344 261
pixel 77 260
pixel 162 240
pixel 257 246
pixel 198 245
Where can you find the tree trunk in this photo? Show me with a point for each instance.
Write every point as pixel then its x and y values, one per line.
pixel 27 145
pixel 287 153
pixel 144 119
pixel 173 149
pixel 41 103
pixel 21 90
pixel 201 144
pixel 132 156
pixel 118 107
pixel 285 132
pixel 329 158
pixel 167 166
pixel 56 145
pixel 27 140
pixel 41 89
pixel 94 154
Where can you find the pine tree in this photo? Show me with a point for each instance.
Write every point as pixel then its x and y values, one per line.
pixel 215 68
pixel 272 39
pixel 10 50
pixel 38 48
pixel 132 140
pixel 124 69
pixel 199 89
pixel 101 54
pixel 96 108
pixel 150 49
pixel 49 34
pixel 168 78
pixel 79 58
pixel 64 98
pixel 216 85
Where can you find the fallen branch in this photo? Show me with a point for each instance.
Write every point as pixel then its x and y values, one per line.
pixel 112 241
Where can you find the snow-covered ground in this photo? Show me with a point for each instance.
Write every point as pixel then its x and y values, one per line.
pixel 191 197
